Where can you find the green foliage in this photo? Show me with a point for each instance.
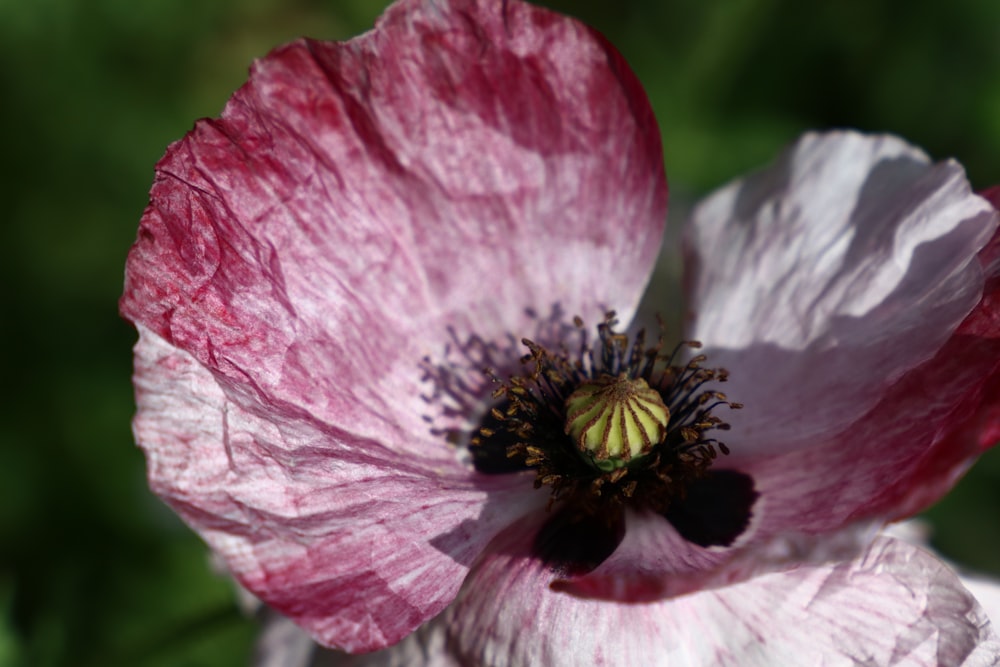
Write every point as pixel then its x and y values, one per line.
pixel 95 571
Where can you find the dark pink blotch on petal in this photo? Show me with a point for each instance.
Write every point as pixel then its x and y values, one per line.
pixel 323 272
pixel 992 195
pixel 361 204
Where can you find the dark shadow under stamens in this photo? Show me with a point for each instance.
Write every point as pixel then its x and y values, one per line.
pixel 573 544
pixel 716 509
pixel 489 456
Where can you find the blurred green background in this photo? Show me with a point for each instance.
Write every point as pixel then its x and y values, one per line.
pixel 94 570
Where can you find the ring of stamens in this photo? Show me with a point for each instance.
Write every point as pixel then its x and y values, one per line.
pixel 613 424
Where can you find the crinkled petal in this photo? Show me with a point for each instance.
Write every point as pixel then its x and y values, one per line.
pixel 323 272
pixel 282 643
pixel 655 562
pixel 870 355
pixel 424 648
pixel 895 604
pixel 908 449
pixel 356 546
pixel 987 592
pixel 822 280
pixel 363 205
pixel 825 500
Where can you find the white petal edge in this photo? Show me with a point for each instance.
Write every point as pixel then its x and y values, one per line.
pixel 281 643
pixel 424 648
pixel 987 592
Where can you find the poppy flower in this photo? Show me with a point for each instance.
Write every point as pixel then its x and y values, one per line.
pixel 387 370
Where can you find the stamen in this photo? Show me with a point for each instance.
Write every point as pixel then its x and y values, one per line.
pixel 613 424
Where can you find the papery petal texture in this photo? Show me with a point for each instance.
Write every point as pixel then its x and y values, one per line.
pixel 893 605
pixel 652 562
pixel 427 647
pixel 850 261
pixel 330 536
pixel 846 291
pixel 911 447
pixel 987 593
pixel 323 272
pixel 282 643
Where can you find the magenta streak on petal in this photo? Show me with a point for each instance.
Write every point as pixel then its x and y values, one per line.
pixel 361 211
pixel 325 200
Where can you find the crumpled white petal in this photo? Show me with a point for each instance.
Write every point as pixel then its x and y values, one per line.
pixel 987 592
pixel 822 279
pixel 284 644
pixel 281 643
pixel 894 605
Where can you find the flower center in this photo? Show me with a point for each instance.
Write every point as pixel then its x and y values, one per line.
pixel 614 425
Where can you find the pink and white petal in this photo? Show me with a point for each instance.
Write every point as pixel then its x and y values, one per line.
pixel 822 280
pixel 429 185
pixel 654 562
pixel 356 545
pixel 426 647
pixel 282 643
pixel 987 593
pixel 990 256
pixel 986 590
pixel 322 273
pixel 896 604
pixel 908 449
